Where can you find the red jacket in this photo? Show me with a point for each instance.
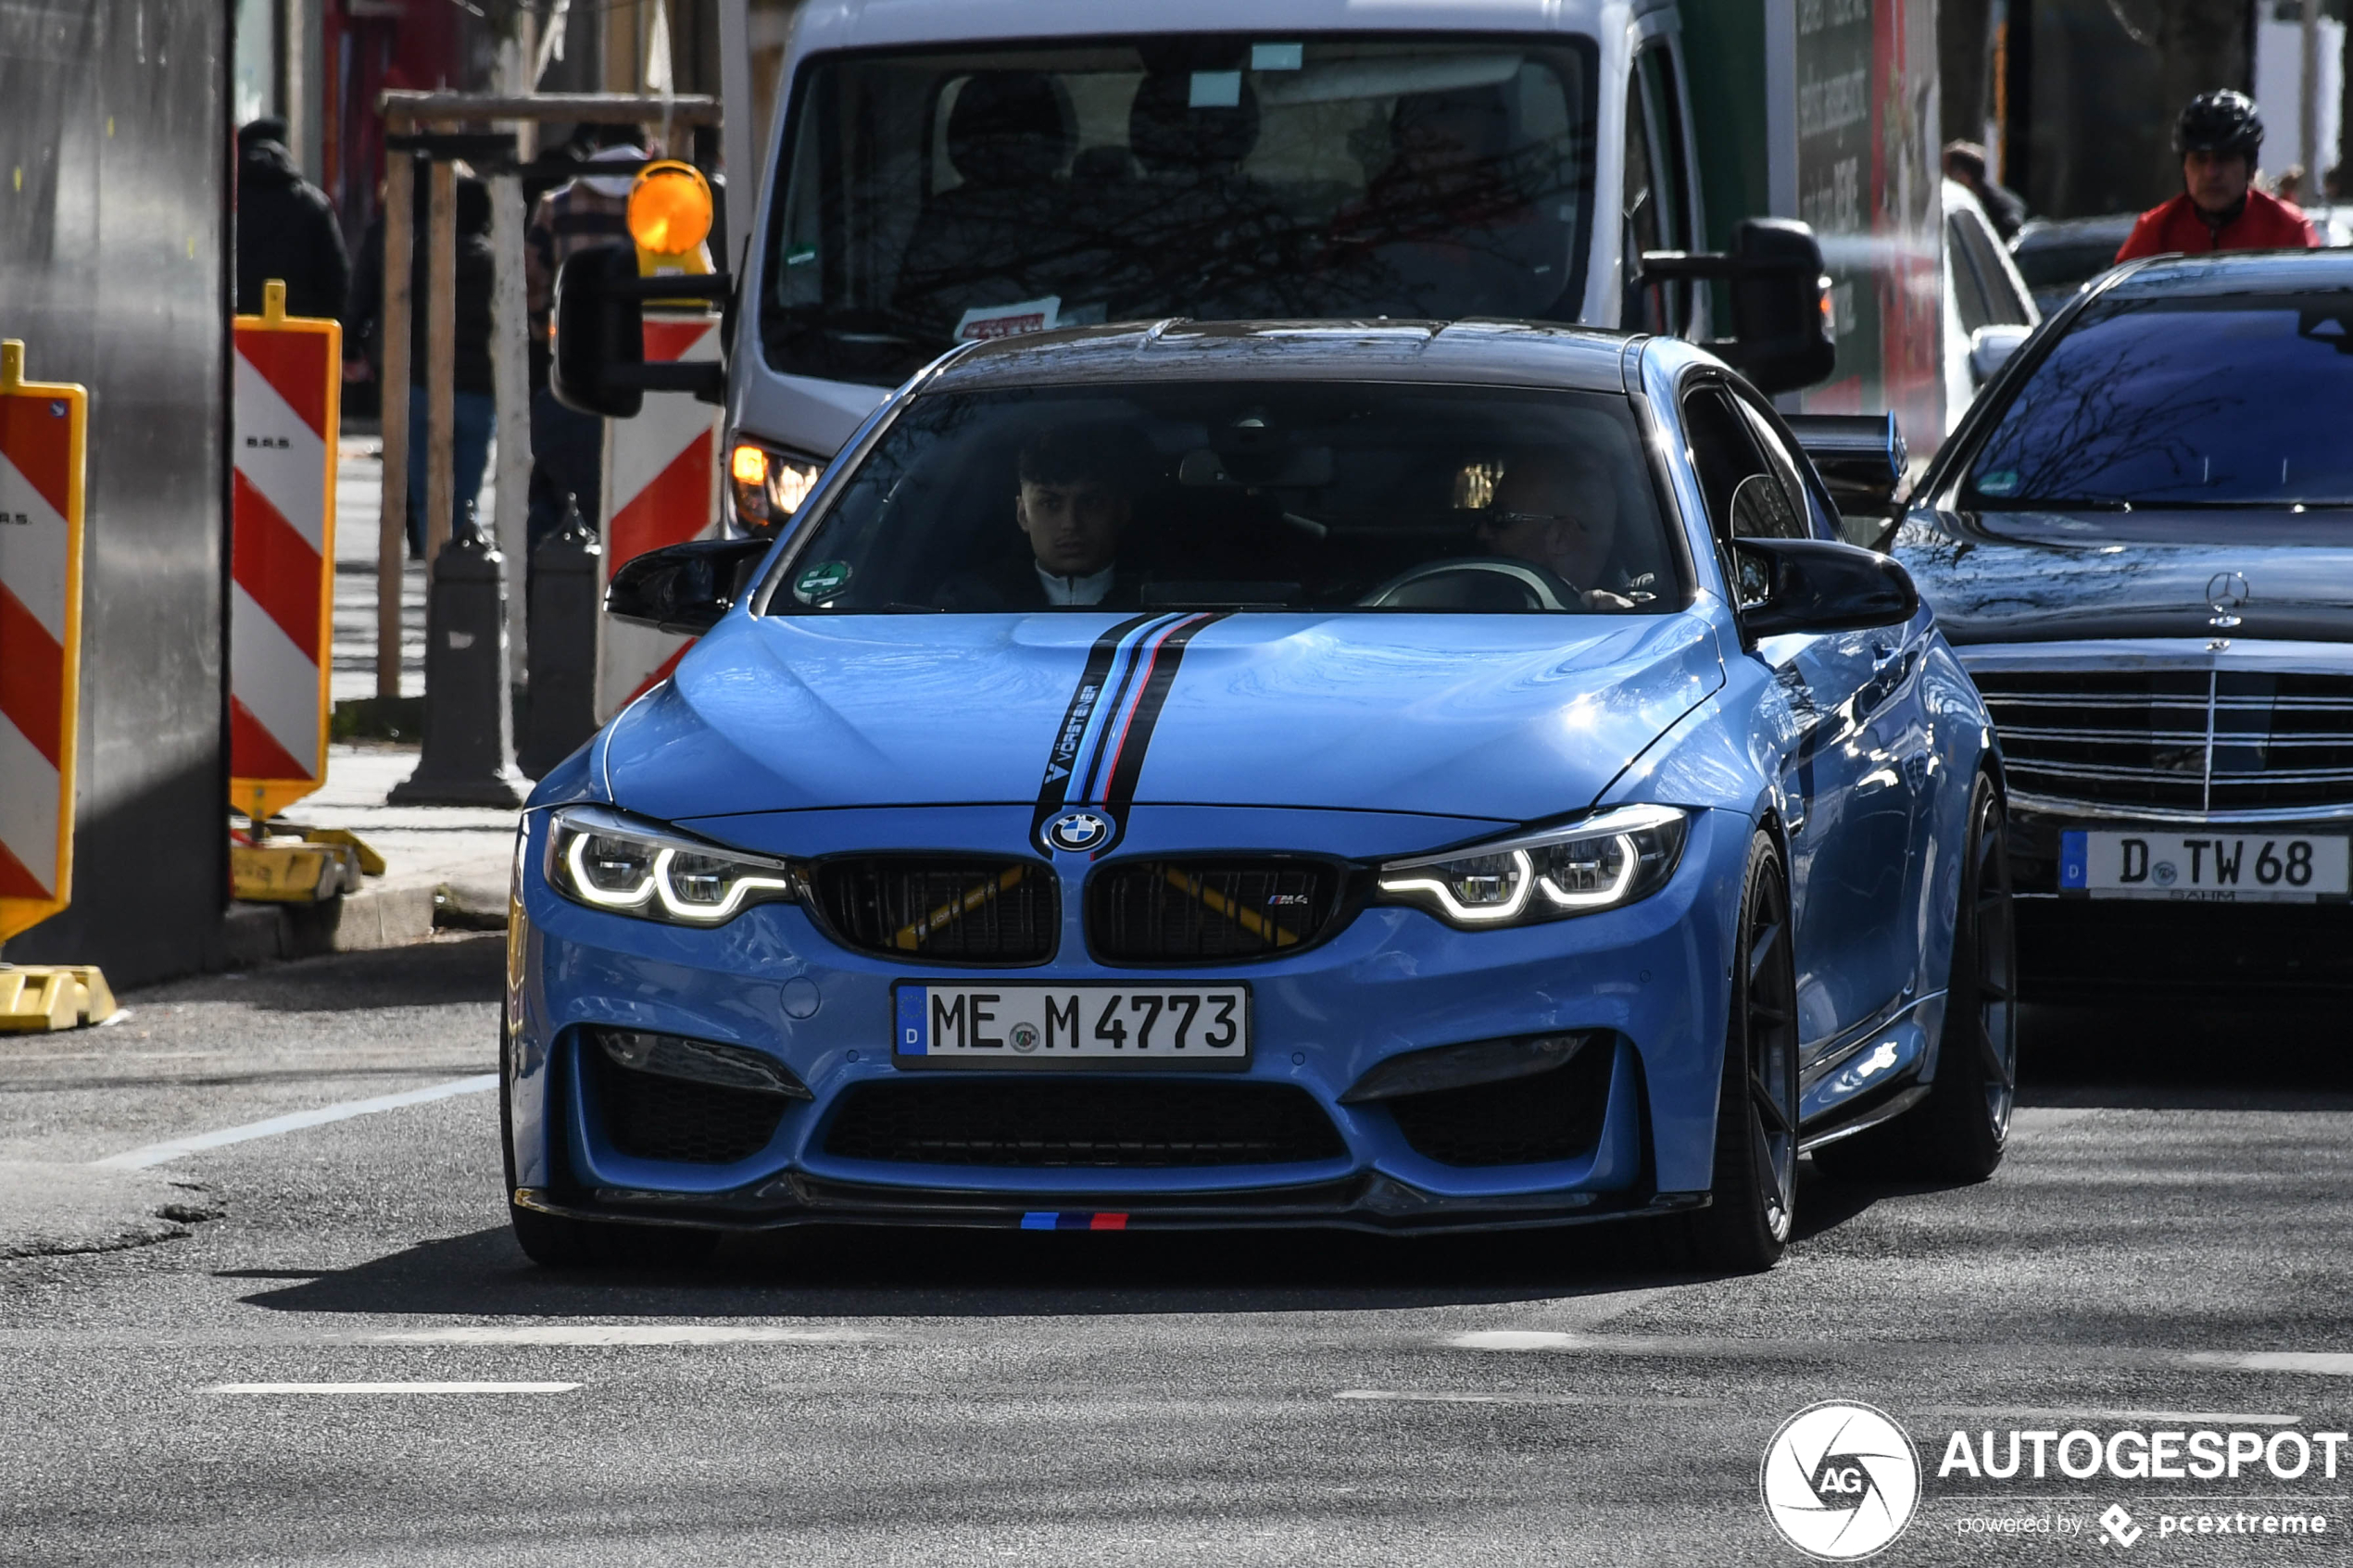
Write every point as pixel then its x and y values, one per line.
pixel 2264 224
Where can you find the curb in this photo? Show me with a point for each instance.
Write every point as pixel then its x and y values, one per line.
pixel 366 920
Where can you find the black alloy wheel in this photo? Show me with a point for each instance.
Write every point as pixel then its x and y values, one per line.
pixel 1960 1131
pixel 1746 1225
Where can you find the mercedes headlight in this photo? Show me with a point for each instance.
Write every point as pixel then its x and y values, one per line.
pixel 625 866
pixel 1601 863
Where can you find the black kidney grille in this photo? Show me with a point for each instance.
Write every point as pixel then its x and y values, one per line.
pixel 1071 1122
pixel 971 911
pixel 1554 1115
pixel 1176 912
pixel 651 1116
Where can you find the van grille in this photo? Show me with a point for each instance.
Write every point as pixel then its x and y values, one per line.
pixel 2177 740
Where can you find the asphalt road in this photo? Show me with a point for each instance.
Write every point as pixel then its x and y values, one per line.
pixel 2166 1248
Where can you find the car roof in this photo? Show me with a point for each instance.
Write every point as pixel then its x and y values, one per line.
pixel 2235 271
pixel 1484 352
pixel 2108 229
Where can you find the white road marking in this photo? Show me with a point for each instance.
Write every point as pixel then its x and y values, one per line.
pixel 156 1153
pixel 391 1388
pixel 625 1333
pixel 1442 1397
pixel 2043 1118
pixel 2328 1363
pixel 1514 1339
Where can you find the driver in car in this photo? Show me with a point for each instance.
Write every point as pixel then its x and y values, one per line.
pixel 1556 507
pixel 1075 501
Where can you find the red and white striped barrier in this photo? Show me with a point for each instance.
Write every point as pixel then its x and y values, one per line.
pixel 289 385
pixel 41 430
pixel 661 487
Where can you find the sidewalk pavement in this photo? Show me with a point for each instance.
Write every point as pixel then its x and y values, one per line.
pixel 444 867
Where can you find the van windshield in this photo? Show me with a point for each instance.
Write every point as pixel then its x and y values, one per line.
pixel 1245 495
pixel 935 197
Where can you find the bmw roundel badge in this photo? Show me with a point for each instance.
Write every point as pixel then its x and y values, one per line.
pixel 1074 832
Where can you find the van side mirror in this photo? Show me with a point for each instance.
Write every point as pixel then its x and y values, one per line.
pixel 1860 456
pixel 685 588
pixel 1814 586
pixel 599 364
pixel 1780 319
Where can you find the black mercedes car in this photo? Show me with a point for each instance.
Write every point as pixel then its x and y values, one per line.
pixel 2141 541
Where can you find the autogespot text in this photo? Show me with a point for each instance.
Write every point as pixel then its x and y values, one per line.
pixel 2136 1455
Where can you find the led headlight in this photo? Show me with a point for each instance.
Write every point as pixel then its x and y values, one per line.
pixel 769 485
pixel 1599 863
pixel 625 866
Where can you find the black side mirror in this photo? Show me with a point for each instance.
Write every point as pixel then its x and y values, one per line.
pixel 1813 585
pixel 599 364
pixel 1780 330
pixel 683 588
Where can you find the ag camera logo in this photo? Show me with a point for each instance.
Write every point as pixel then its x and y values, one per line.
pixel 1840 1481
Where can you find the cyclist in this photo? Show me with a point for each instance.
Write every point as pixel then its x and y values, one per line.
pixel 2218 208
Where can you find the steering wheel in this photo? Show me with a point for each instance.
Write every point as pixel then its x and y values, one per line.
pixel 1475 583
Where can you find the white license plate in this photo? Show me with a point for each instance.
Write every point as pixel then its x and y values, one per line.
pixel 2198 866
pixel 1014 1026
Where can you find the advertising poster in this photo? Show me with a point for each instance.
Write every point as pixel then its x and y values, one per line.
pixel 1866 183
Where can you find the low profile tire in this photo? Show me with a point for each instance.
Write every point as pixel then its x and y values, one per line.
pixel 556 1241
pixel 1960 1131
pixel 1746 1225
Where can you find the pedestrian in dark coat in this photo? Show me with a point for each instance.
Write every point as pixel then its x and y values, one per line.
pixel 285 229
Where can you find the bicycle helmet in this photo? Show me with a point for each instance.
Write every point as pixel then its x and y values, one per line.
pixel 2219 123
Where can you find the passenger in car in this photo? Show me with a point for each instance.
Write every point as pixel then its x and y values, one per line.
pixel 1075 501
pixel 1557 508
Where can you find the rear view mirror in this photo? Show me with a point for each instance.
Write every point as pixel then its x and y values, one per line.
pixel 683 588
pixel 1990 348
pixel 1781 317
pixel 1786 585
pixel 600 366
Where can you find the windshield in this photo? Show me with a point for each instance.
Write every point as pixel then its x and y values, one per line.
pixel 2232 400
pixel 1249 495
pixel 940 196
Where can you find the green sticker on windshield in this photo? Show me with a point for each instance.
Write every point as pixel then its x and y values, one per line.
pixel 2000 482
pixel 821 581
pixel 800 256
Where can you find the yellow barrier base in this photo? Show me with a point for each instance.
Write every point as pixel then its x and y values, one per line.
pixel 293 871
pixel 371 862
pixel 42 997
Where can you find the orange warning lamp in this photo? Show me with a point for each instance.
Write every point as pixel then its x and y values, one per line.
pixel 670 209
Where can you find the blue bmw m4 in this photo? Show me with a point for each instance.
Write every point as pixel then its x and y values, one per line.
pixel 1392 775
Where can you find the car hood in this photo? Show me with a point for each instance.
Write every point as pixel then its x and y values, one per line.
pixel 2006 577
pixel 1494 717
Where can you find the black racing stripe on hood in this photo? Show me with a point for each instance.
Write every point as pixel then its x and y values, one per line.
pixel 1062 759
pixel 1127 763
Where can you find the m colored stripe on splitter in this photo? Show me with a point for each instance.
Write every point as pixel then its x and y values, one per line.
pixel 1050 1220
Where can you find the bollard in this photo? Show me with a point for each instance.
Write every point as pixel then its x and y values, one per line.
pixel 470 723
pixel 566 570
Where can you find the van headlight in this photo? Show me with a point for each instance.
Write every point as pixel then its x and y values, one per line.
pixel 1601 863
pixel 769 484
pixel 626 866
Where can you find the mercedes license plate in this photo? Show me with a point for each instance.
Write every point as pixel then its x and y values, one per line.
pixel 2201 866
pixel 1085 1026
